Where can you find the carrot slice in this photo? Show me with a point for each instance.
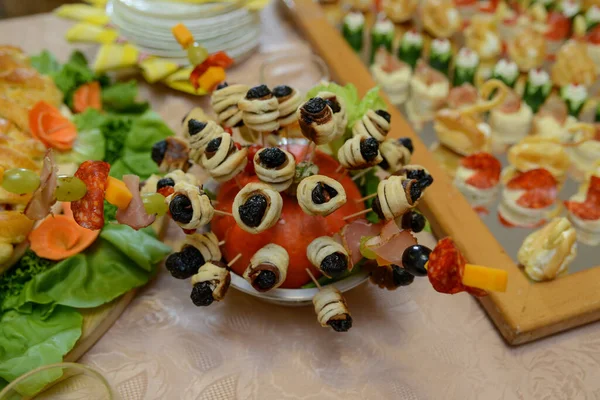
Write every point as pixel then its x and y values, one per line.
pixel 50 127
pixel 59 237
pixel 87 96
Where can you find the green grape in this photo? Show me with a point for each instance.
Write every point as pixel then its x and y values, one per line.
pixel 20 181
pixel 154 203
pixel 197 54
pixel 70 188
pixel 364 250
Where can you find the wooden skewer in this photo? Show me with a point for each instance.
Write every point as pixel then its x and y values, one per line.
pixel 357 214
pixel 219 212
pixel 366 198
pixel 238 183
pixel 222 242
pixel 309 150
pixel 361 173
pixel 234 260
pixel 338 169
pixel 316 282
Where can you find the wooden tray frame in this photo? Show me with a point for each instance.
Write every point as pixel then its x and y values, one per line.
pixel 526 311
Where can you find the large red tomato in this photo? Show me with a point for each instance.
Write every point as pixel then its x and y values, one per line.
pixel 294 231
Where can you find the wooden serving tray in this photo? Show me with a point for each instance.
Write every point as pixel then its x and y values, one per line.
pixel 526 311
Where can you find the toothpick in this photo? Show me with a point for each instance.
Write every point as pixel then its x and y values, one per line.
pixel 342 174
pixel 238 183
pixel 316 282
pixel 366 198
pixel 309 150
pixel 338 169
pixel 234 260
pixel 361 173
pixel 222 242
pixel 357 214
pixel 219 212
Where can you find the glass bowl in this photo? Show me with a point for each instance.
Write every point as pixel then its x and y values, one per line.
pixel 299 69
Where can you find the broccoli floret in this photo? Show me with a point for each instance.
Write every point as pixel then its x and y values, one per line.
pixel 12 282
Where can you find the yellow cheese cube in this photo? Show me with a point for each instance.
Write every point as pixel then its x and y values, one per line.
pixel 183 35
pixel 485 278
pixel 117 193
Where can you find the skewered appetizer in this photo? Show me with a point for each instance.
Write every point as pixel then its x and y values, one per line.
pixel 573 65
pixel 268 268
pixel 393 75
pixel 396 153
pixel 210 283
pixel 320 195
pixel 257 207
pixel 359 152
pixel 197 249
pixel 196 113
pixel 289 100
pixel 275 166
pixel 533 152
pixel 466 66
pixel 400 11
pixel 260 110
pixel 528 199
pixel 477 178
pixel 332 310
pixel 584 211
pixel 199 134
pixel 353 29
pixel 510 121
pixel 222 158
pixel 429 89
pixel 482 36
pixel 537 89
pixel 224 101
pixel 382 35
pixel 575 96
pixel 398 194
pixel 440 55
pixel 328 256
pixel 411 48
pixel 317 121
pixel 189 206
pixel 375 124
pixel 506 71
pixel 340 113
pixel 441 18
pixel 546 253
pixel 527 49
pixel 171 154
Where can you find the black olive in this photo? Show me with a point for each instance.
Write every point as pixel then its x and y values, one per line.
pixel 334 104
pixel 181 209
pixel 401 277
pixel 341 325
pixel 384 114
pixel 213 145
pixel 414 221
pixel 241 123
pixel 315 105
pixel 415 189
pixel 418 174
pixel 195 126
pixel 369 148
pixel 184 264
pixel 222 85
pixel 164 182
pixel 322 193
pixel 334 264
pixel 407 142
pixel 253 210
pixel 376 206
pixel 414 259
pixel 202 295
pixel 426 181
pixel 384 164
pixel 265 280
pixel 272 157
pixel 282 91
pixel 158 151
pixel 258 92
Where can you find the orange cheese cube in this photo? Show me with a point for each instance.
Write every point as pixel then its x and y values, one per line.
pixel 117 193
pixel 183 35
pixel 485 278
pixel 211 78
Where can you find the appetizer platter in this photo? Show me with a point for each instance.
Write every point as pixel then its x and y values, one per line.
pixel 514 133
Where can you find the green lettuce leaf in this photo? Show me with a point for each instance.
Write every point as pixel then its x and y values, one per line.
pixel 29 341
pixel 120 260
pixel 45 63
pixel 372 100
pixel 121 97
pixel 145 132
pixel 367 185
pixel 89 145
pixel 90 119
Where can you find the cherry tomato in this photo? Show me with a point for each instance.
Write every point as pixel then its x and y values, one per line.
pixel 559 26
pixel 252 150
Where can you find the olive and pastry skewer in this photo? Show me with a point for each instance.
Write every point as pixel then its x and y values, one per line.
pixel 338 107
pixel 375 124
pixel 289 100
pixel 225 101
pixel 211 282
pixel 197 249
pixel 328 256
pixel 257 207
pixel 330 307
pixel 317 122
pixel 320 195
pixel 268 268
pixel 359 152
pixel 275 166
pixel 199 134
pixel 222 158
pixel 260 110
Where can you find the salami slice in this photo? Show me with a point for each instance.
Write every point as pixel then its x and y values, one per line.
pixel 89 210
pixel 487 169
pixel 589 209
pixel 540 187
pixel 446 267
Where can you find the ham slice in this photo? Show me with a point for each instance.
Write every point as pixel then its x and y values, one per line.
pixel 463 95
pixel 511 104
pixel 556 108
pixel 353 232
pixel 427 74
pixel 388 62
pixel 391 243
pixel 43 198
pixel 135 214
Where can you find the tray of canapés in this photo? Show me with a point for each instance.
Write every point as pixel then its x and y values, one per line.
pixel 501 94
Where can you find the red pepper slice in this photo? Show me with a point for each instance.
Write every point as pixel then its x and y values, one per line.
pixel 218 59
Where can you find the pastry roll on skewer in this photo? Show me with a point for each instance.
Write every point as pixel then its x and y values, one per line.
pixel 189 206
pixel 338 107
pixel 222 159
pixel 317 121
pixel 320 195
pixel 359 152
pixel 374 123
pixel 225 101
pixel 396 195
pixel 197 249
pixel 289 100
pixel 171 154
pixel 199 133
pixel 328 256
pixel 210 283
pixel 416 171
pixel 276 167
pixel 268 268
pixel 396 153
pixel 257 207
pixel 260 109
pixel 332 310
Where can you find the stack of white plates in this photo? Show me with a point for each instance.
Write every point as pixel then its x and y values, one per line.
pixel 218 26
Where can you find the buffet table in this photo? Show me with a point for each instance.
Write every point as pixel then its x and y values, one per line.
pixel 407 344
